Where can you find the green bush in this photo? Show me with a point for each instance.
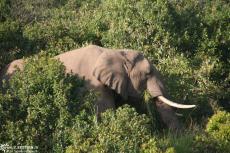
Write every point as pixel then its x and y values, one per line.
pixel 190 141
pixel 150 146
pixel 122 131
pixel 39 106
pixel 218 128
pixel 177 142
pixel 214 139
pixel 206 144
pixel 10 41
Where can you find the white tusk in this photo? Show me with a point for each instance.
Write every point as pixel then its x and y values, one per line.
pixel 163 99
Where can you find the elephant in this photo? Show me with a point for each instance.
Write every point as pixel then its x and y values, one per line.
pixel 9 70
pixel 112 72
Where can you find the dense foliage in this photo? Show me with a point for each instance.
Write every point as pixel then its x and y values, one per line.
pixel 188 41
pixel 113 134
pixel 37 109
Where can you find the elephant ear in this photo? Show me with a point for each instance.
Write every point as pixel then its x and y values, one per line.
pixel 110 71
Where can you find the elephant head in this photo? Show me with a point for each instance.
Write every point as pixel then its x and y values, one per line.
pixel 129 73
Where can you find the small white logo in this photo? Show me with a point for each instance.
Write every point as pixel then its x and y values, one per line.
pixel 3 147
pixel 26 149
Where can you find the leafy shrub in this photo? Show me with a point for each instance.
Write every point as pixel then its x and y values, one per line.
pixel 56 35
pixel 215 139
pixel 218 128
pixel 176 143
pixel 10 41
pixel 190 141
pixel 122 131
pixel 39 107
pixel 206 144
pixel 150 146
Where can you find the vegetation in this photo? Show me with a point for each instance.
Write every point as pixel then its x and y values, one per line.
pixel 188 41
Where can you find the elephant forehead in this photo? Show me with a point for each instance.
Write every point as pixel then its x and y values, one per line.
pixel 113 66
pixel 131 55
pixel 111 58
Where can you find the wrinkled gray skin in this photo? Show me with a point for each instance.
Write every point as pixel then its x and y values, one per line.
pixel 126 72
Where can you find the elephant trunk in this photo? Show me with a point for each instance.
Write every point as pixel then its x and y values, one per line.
pixel 156 89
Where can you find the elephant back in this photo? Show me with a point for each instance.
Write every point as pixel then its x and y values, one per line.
pixel 10 69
